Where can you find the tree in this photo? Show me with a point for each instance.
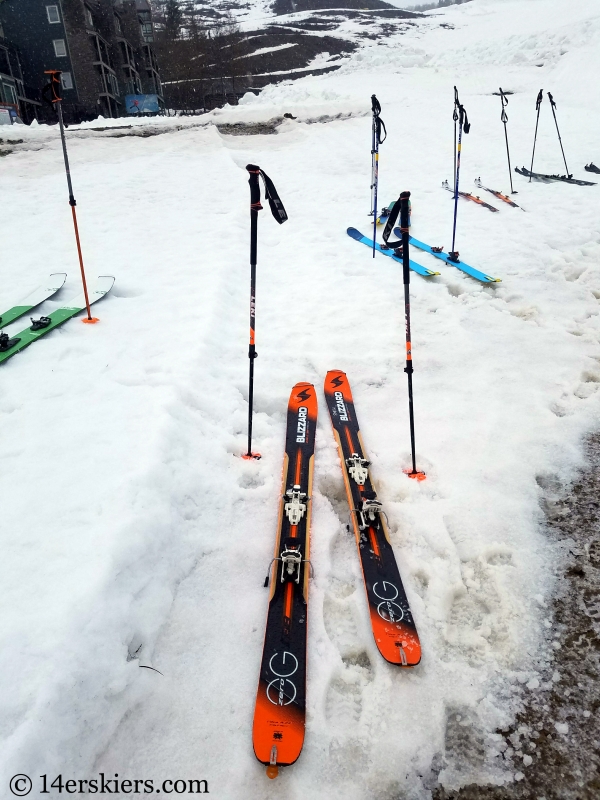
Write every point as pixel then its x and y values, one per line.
pixel 173 19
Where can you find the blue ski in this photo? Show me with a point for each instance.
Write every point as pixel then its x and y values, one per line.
pixel 427 273
pixel 474 273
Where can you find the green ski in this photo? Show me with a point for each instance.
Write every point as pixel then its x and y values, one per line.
pixel 33 299
pixel 11 345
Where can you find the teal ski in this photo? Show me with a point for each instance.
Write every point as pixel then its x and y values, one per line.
pixel 29 302
pixel 354 234
pixel 474 273
pixel 10 346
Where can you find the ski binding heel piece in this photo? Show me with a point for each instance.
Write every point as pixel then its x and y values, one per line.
pixel 6 343
pixel 454 256
pixel 367 513
pixel 295 509
pixel 39 324
pixel 291 561
pixel 357 467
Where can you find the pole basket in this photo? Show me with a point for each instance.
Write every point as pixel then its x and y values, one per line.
pixel 417 476
pixel 249 456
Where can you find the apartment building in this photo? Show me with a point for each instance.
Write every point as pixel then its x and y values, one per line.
pixel 103 48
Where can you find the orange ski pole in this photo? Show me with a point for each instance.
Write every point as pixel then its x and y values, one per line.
pixel 53 89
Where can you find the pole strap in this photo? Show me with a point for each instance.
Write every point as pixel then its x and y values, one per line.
pixel 277 209
pixel 504 100
pixel 395 210
pixel 378 123
pixel 460 113
pixel 540 97
pixel 51 91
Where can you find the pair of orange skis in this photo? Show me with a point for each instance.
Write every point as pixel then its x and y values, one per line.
pixel 279 716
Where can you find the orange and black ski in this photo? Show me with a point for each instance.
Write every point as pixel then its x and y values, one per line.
pixel 279 715
pixel 469 196
pixel 391 619
pixel 497 194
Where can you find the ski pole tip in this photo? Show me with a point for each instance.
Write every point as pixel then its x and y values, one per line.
pixel 90 320
pixel 415 475
pixel 250 456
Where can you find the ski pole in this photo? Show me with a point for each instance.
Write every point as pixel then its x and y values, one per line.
pixel 463 124
pixel 538 104
pixel 455 118
pixel 553 106
pixel 376 140
pixel 504 118
pixel 404 228
pixel 280 215
pixel 52 89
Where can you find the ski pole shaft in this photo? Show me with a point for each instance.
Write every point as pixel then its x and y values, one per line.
pixel 375 179
pixel 538 104
pixel 73 203
pixel 463 124
pixel 376 140
pixel 553 107
pixel 255 207
pixel 404 228
pixel 53 90
pixel 504 118
pixel 455 118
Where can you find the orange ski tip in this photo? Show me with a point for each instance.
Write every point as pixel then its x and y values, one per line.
pixel 417 476
pixel 251 456
pixel 91 321
pixel 304 395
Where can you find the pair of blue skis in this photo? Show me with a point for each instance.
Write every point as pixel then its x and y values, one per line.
pixel 418 268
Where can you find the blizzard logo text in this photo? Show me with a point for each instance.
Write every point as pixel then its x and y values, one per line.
pixel 301 429
pixel 341 406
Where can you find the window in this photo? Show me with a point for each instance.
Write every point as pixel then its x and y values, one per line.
pixel 10 95
pixel 66 80
pixel 118 25
pixel 1 31
pixel 60 48
pixel 88 17
pixel 53 15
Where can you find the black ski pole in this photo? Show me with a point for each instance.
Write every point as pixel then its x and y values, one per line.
pixel 553 106
pixel 538 104
pixel 51 92
pixel 504 118
pixel 280 215
pixel 463 124
pixel 376 140
pixel 404 228
pixel 455 118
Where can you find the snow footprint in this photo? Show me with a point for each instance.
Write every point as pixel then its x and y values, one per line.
pixel 344 700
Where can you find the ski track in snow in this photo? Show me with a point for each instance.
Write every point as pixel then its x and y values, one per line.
pixel 130 521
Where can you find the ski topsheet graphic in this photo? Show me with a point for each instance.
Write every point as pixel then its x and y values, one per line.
pixel 279 715
pixel 393 626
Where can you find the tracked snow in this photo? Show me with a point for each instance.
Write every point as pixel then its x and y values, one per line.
pixel 132 531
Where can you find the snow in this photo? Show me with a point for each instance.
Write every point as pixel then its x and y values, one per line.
pixel 264 50
pixel 131 522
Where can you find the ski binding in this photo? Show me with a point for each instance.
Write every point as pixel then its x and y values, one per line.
pixel 357 467
pixel 291 561
pixel 367 513
pixel 295 509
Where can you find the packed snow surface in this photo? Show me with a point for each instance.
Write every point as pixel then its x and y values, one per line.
pixel 134 534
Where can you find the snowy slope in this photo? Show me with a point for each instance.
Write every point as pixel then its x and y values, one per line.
pixel 130 520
